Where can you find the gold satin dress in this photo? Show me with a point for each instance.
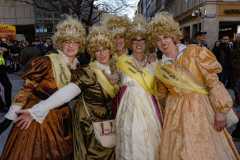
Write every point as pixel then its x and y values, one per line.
pixel 51 140
pixel 188 132
pixel 98 103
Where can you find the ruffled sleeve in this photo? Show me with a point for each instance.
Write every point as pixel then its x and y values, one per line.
pixel 83 77
pixel 35 72
pixel 210 67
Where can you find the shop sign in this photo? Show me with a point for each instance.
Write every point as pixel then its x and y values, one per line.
pixel 7 31
pixel 232 11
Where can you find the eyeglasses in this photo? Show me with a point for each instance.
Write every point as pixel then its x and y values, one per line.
pixel 73 43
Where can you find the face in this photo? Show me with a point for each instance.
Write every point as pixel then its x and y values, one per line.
pixel 119 42
pixel 138 45
pixel 70 48
pixel 165 43
pixel 103 55
pixel 204 37
pixel 225 39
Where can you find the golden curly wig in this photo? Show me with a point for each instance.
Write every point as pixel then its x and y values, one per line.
pixel 136 29
pixel 117 25
pixel 99 37
pixel 163 24
pixel 69 29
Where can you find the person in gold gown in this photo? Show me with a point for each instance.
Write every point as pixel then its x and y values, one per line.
pixel 53 138
pixel 97 86
pixel 196 102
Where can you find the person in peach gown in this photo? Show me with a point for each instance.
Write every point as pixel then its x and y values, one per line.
pixel 196 102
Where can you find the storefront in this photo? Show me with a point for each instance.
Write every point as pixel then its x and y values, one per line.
pixel 8 31
pixel 229 19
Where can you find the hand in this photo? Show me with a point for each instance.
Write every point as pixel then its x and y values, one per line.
pixel 220 121
pixel 151 57
pixel 24 119
pixel 114 78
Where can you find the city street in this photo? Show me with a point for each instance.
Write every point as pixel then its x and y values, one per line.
pixel 16 85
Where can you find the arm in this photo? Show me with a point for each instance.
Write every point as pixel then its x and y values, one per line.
pixel 39 111
pixel 219 97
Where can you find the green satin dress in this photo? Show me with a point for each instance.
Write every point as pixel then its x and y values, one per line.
pixel 98 103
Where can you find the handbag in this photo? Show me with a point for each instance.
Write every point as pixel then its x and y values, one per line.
pixel 231 118
pixel 104 131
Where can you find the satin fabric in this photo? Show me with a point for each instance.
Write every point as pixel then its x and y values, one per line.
pixel 137 123
pixel 188 132
pixel 50 140
pixel 98 103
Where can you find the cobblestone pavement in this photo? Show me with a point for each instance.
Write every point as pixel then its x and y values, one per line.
pixel 17 83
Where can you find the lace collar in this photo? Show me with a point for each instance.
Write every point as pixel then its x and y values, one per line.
pixel 72 65
pixel 181 49
pixel 104 67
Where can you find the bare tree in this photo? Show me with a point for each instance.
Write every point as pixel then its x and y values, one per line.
pixel 88 11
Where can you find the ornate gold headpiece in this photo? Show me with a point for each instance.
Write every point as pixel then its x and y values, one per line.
pixel 116 24
pixel 138 27
pixel 99 37
pixel 69 29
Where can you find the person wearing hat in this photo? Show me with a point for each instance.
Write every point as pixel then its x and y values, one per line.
pixel 52 139
pixel 97 84
pixel 200 38
pixel 138 119
pixel 196 102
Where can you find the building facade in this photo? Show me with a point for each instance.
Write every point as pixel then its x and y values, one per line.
pixel 18 14
pixel 217 18
pixel 32 22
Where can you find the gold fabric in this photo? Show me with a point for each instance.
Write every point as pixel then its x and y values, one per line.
pixel 143 77
pixel 86 147
pixel 103 80
pixel 50 140
pixel 179 78
pixel 188 132
pixel 61 72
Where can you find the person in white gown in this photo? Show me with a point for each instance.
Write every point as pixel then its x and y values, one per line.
pixel 138 120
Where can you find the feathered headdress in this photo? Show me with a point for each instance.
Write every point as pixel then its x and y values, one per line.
pixel 117 25
pixel 69 29
pixel 99 37
pixel 137 28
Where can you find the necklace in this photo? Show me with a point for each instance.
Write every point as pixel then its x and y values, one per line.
pixel 140 64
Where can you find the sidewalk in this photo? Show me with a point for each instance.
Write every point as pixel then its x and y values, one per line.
pixel 16 85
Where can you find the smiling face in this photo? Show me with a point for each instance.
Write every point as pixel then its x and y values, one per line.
pixel 103 55
pixel 138 45
pixel 165 43
pixel 70 48
pixel 119 43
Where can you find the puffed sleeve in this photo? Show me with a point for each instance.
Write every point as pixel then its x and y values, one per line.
pixel 83 77
pixel 35 72
pixel 210 67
